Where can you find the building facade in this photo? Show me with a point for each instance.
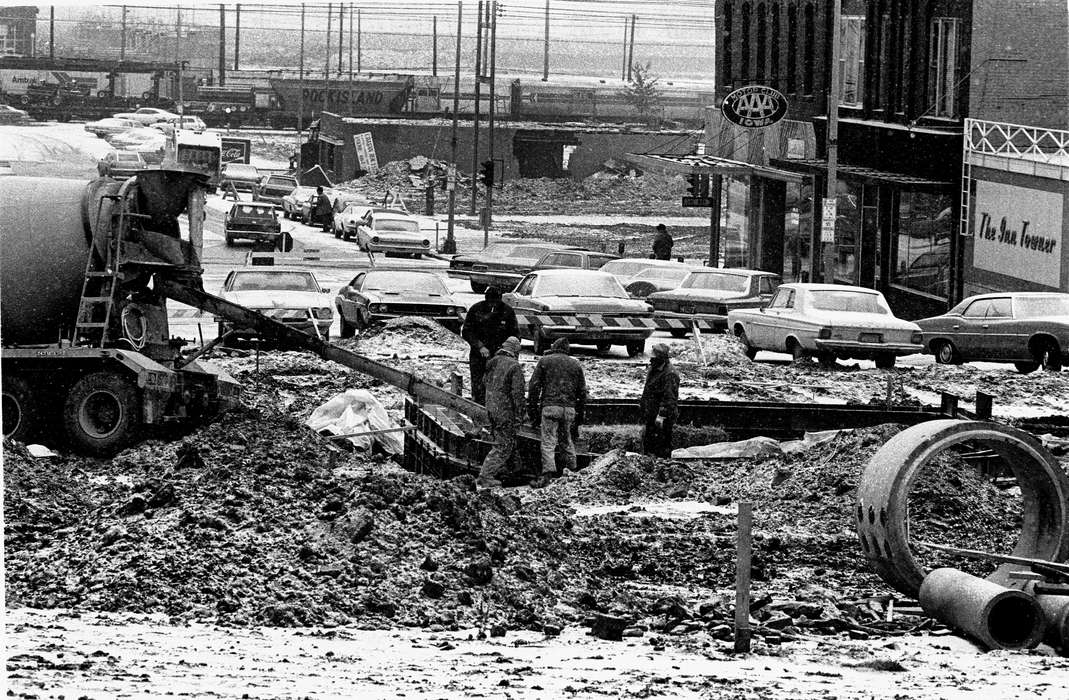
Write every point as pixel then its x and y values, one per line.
pixel 1016 152
pixel 18 30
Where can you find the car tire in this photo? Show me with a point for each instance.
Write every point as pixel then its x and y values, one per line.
pixel 947 354
pixel 885 360
pixel 1050 357
pixel 102 413
pixel 603 347
pixel 679 332
pixel 337 234
pixel 541 342
pixel 20 410
pixel 635 348
pixel 417 256
pixel 1026 367
pixel 747 349
pixel 478 288
pixel 229 240
pixel 640 290
pixel 347 330
pixel 798 353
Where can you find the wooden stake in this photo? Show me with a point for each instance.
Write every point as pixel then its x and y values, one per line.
pixel 744 549
pixel 698 342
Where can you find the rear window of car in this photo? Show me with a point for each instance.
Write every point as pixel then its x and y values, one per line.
pixel 128 157
pixel 599 261
pixel 580 285
pixel 249 210
pixel 397 225
pixel 529 252
pixel 857 302
pixel 282 181
pixel 719 281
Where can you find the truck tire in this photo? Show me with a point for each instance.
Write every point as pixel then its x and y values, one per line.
pixel 478 288
pixel 102 413
pixel 19 409
pixel 635 348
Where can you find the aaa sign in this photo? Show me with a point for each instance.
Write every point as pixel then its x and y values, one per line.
pixel 755 106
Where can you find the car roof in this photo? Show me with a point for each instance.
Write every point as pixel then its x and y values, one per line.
pixel 570 272
pixel 1015 295
pixel 817 287
pixel 271 268
pixel 739 271
pixel 260 205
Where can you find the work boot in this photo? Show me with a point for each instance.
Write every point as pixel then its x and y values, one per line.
pixel 542 481
pixel 488 483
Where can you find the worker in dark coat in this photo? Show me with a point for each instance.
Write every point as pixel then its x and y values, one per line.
pixel 506 404
pixel 323 214
pixel 662 243
pixel 556 398
pixel 660 398
pixel 486 326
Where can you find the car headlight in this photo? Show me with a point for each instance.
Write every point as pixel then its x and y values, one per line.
pixel 374 308
pixel 824 334
pixel 426 243
pixel 374 239
pixel 449 310
pixel 917 338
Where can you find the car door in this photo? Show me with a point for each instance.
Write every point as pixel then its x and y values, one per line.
pixel 765 321
pixel 766 287
pixel 997 339
pixel 968 331
pixel 353 302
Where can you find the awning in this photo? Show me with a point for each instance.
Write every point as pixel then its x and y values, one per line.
pixel 815 166
pixel 693 164
pixel 331 140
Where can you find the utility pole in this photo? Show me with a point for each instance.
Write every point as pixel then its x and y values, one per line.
pixel 341 36
pixel 490 124
pixel 450 246
pixel 300 96
pixel 237 34
pixel 545 49
pixel 222 44
pixel 358 37
pixel 475 118
pixel 830 249
pixel 434 47
pixel 631 51
pixel 350 59
pixel 122 39
pixel 623 66
pixel 326 68
pixel 177 56
pixel 52 31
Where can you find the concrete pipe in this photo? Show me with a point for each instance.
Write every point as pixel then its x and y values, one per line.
pixel 1056 612
pixel 883 494
pixel 996 616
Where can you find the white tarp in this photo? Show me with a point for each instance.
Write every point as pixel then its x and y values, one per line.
pixel 755 446
pixel 356 411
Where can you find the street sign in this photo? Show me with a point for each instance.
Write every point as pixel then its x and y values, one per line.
pixel 451 178
pixel 754 106
pixel 697 201
pixel 365 152
pixel 827 220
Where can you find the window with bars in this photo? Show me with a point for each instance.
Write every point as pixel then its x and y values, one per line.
pixel 943 66
pixel 851 60
pixel 728 71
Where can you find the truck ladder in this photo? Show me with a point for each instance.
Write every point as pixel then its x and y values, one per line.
pixel 101 281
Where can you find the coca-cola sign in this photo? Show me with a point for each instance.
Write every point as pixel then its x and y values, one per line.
pixel 236 150
pixel 755 106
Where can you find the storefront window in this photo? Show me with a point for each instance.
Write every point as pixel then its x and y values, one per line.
pixel 847 231
pixel 922 242
pixel 797 231
pixel 735 223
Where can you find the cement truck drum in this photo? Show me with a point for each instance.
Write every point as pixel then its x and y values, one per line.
pixel 883 497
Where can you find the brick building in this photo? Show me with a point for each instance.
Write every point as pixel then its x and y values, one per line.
pixel 18 30
pixel 1016 166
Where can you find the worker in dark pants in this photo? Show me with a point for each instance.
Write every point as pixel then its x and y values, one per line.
pixel 323 213
pixel 662 243
pixel 506 405
pixel 556 398
pixel 659 405
pixel 486 326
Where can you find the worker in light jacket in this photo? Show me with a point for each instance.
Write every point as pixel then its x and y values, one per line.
pixel 660 397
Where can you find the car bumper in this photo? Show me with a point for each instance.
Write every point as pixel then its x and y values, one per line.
pixel 855 349
pixel 269 198
pixel 459 274
pixel 715 320
pixel 304 325
pixel 254 235
pixel 397 247
pixel 496 279
pixel 592 335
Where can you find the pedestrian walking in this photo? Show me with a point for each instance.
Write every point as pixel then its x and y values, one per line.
pixel 660 397
pixel 505 403
pixel 556 398
pixel 662 243
pixel 323 213
pixel 486 326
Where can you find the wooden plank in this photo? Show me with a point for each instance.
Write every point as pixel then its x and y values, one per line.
pixel 1002 558
pixel 744 551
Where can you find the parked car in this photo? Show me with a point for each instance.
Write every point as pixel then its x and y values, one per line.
pixel 147 116
pixel 290 296
pixel 240 175
pixel 573 259
pixel 307 205
pixel 292 202
pixel 352 216
pixel 829 321
pixel 391 232
pixel 190 122
pixel 643 276
pixel 12 115
pixel 252 221
pixel 570 292
pixel 136 136
pixel 272 188
pixel 505 268
pixel 460 265
pixel 376 295
pixel 120 164
pixel 108 126
pixel 709 293
pixel 1029 329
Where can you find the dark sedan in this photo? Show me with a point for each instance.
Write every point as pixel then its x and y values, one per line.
pixel 273 188
pixel 513 259
pixel 707 294
pixel 377 295
pixel 1029 329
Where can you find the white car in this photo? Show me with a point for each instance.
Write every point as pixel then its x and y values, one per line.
pixel 147 116
pixel 829 321
pixel 391 231
pixel 291 203
pixel 290 296
pixel 642 276
pixel 188 122
pixel 109 126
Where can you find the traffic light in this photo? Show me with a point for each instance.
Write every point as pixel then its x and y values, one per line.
pixel 697 186
pixel 486 174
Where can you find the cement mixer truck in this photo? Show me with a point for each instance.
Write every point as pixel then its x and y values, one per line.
pixel 86 271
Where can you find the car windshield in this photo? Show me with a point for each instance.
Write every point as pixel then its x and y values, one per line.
pixel 720 281
pixel 625 268
pixel 1037 307
pixel 127 156
pixel 405 282
pixel 857 302
pixel 397 225
pixel 580 286
pixel 280 280
pixel 252 210
pixel 661 273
